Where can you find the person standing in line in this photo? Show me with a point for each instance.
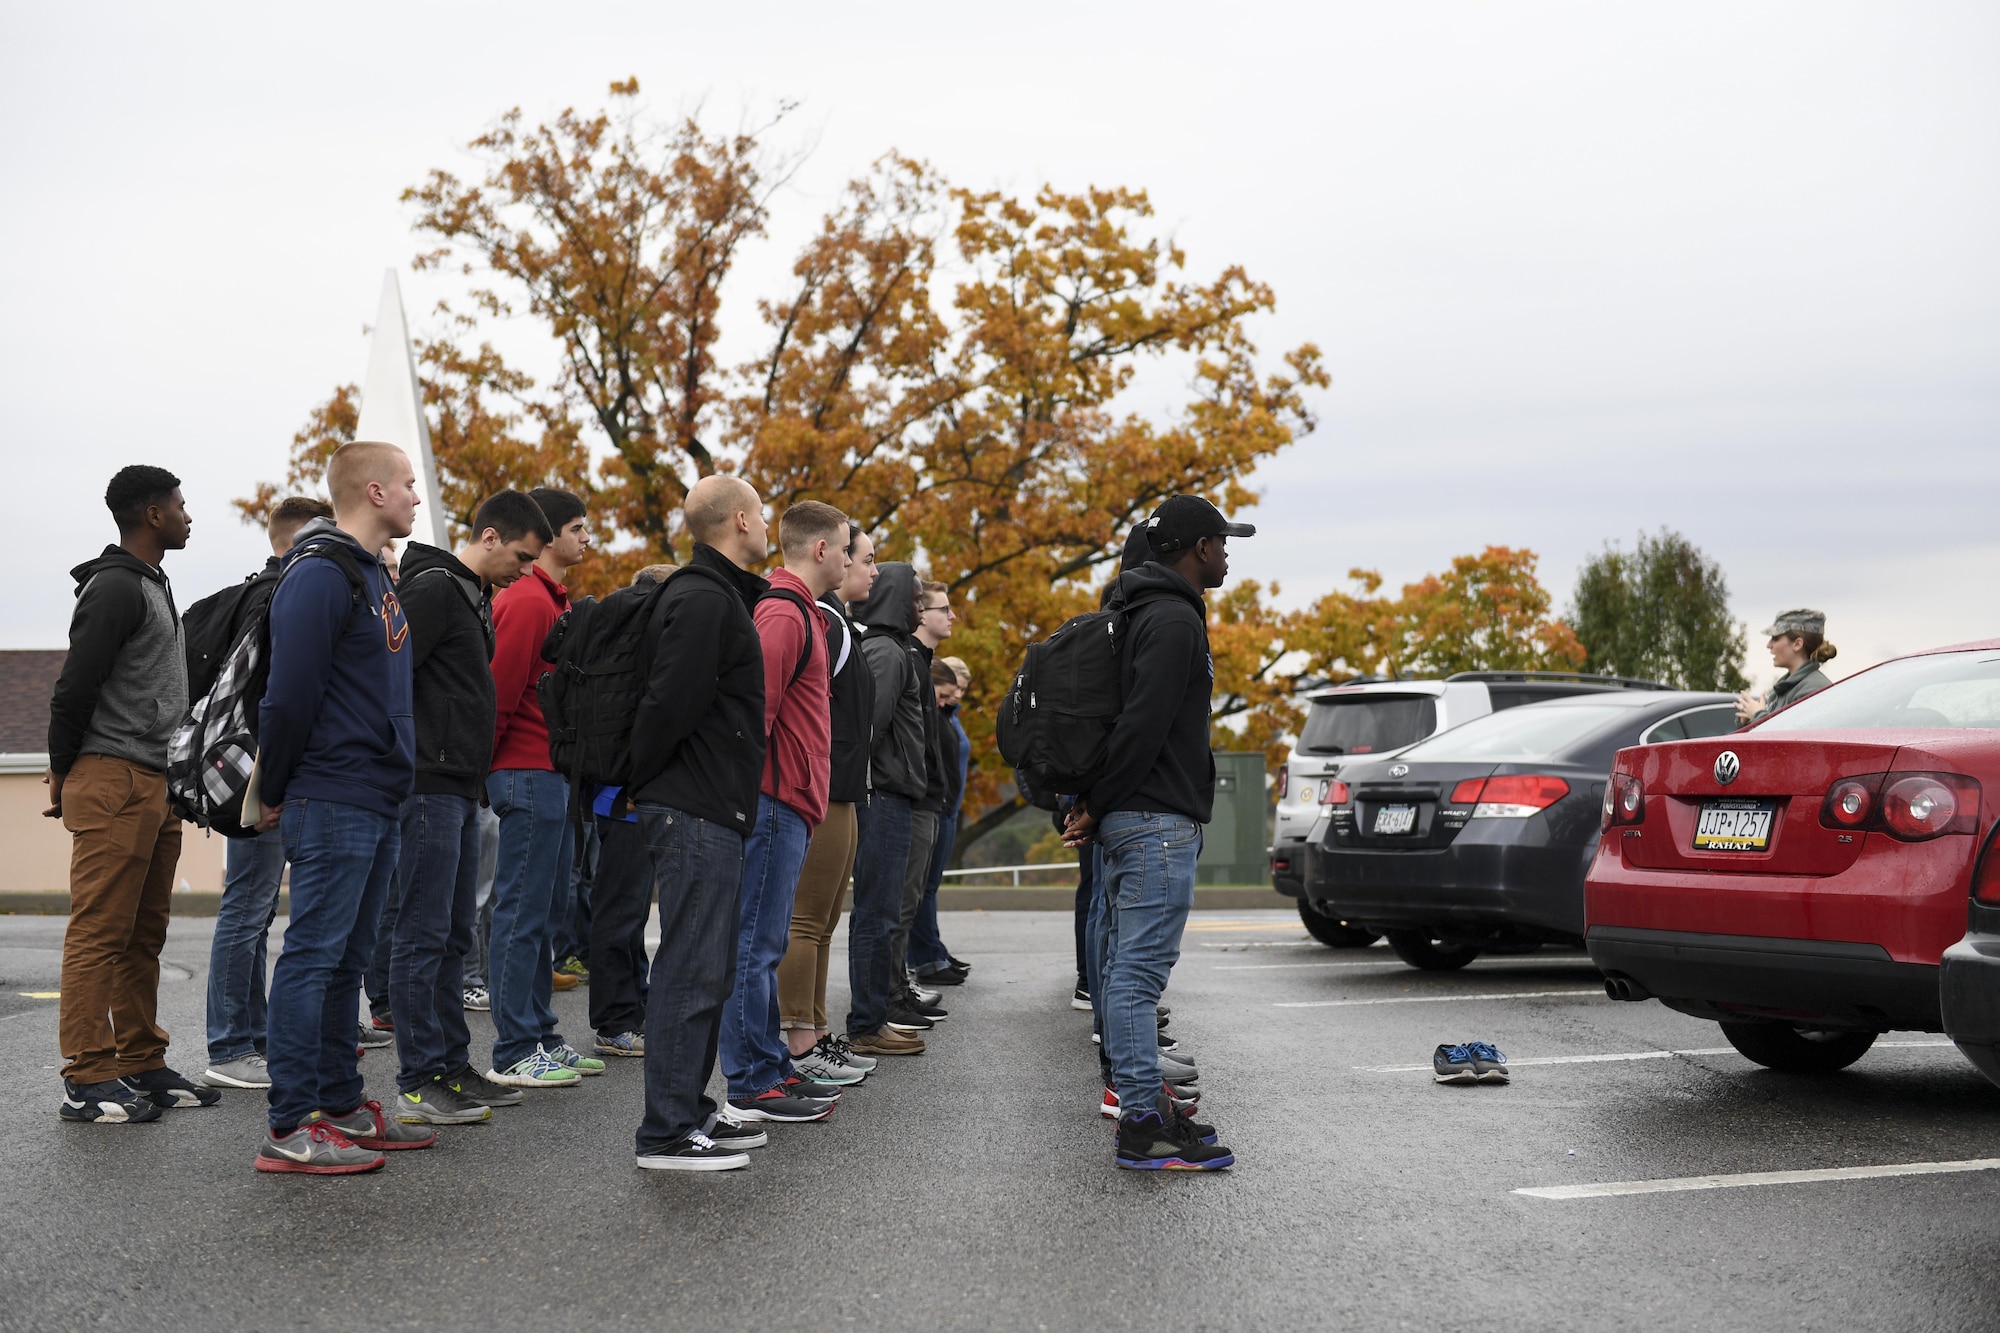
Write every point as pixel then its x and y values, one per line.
pixel 1798 647
pixel 697 762
pixel 934 623
pixel 253 870
pixel 623 896
pixel 817 1052
pixel 932 963
pixel 791 802
pixel 122 691
pixel 337 755
pixel 1146 809
pixel 448 600
pixel 531 882
pixel 896 772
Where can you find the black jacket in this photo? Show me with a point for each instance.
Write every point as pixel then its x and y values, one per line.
pixel 1158 758
pixel 451 644
pixel 123 688
pixel 853 703
pixel 900 743
pixel 698 732
pixel 936 784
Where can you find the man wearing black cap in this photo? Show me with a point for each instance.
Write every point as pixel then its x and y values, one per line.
pixel 1145 811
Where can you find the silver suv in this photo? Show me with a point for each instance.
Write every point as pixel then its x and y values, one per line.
pixel 1373 718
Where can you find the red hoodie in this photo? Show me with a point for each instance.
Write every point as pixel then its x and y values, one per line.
pixel 523 614
pixel 798 717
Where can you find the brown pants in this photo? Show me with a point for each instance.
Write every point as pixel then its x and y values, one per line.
pixel 815 914
pixel 123 851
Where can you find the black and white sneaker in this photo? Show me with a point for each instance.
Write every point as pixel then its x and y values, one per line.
pixel 1080 998
pixel 905 1019
pixel 1454 1064
pixel 168 1090
pixel 777 1104
pixel 696 1152
pixel 369 1037
pixel 730 1130
pixel 108 1103
pixel 469 1082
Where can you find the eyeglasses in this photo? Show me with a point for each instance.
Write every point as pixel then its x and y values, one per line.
pixel 946 608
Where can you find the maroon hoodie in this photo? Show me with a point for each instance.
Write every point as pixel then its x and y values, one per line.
pixel 798 717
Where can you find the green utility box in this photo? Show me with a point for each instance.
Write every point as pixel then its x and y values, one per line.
pixel 1234 848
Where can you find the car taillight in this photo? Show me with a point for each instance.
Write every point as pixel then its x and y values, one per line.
pixel 1986 887
pixel 1624 801
pixel 1334 793
pixel 1284 781
pixel 1912 807
pixel 1467 792
pixel 1518 795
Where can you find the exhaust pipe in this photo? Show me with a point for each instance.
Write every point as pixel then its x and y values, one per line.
pixel 1624 988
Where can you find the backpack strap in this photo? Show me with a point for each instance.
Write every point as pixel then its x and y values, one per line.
pixel 480 606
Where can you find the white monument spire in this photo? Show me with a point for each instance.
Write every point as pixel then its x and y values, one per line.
pixel 392 407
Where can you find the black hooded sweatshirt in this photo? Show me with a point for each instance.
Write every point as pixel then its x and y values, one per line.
pixel 451 644
pixel 853 705
pixel 898 755
pixel 1158 758
pixel 698 732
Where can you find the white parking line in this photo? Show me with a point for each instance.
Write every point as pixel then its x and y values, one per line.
pixel 1625 1055
pixel 1681 1183
pixel 1437 999
pixel 1393 962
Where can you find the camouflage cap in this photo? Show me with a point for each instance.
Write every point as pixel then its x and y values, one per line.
pixel 1801 621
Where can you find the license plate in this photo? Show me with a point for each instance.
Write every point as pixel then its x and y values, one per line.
pixel 1734 825
pixel 1395 818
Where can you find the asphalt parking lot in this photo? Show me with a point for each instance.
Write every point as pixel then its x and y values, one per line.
pixel 973 1187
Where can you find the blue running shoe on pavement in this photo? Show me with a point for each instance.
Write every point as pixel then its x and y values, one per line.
pixel 1488 1062
pixel 1454 1064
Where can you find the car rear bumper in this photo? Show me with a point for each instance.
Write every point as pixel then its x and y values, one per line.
pixel 1969 981
pixel 1472 886
pixel 1288 867
pixel 1829 982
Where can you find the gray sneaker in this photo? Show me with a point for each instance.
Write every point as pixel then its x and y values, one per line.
pixel 245 1071
pixel 468 1083
pixel 630 1045
pixel 1178 1071
pixel 436 1104
pixel 317 1149
pixel 820 1067
pixel 370 1038
pixel 369 1126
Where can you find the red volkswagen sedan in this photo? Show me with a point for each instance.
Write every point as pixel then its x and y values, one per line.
pixel 1798 881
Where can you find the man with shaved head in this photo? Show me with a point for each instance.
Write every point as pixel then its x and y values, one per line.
pixel 697 757
pixel 337 757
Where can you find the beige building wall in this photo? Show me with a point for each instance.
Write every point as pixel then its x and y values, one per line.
pixel 34 851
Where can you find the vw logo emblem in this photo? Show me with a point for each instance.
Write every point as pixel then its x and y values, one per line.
pixel 1399 770
pixel 1727 766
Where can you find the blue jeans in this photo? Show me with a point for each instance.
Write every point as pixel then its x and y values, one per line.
pixel 882 848
pixel 1148 870
pixel 482 930
pixel 437 879
pixel 1097 945
pixel 530 889
pixel 926 948
pixel 572 938
pixel 253 868
pixel 755 1055
pixel 697 869
pixel 342 860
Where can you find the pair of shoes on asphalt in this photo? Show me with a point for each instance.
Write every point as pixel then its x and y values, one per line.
pixel 952 973
pixel 133 1100
pixel 1470 1062
pixel 341 1145
pixel 369 1037
pixel 478 999
pixel 245 1071
pixel 889 1039
pixel 835 1047
pixel 794 1101
pixel 1153 1141
pixel 821 1064
pixel 629 1045
pixel 546 1068
pixel 909 1012
pixel 1184 1098
pixel 460 1098
pixel 724 1146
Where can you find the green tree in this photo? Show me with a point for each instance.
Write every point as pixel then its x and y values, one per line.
pixel 1660 612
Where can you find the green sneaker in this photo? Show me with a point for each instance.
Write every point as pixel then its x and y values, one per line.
pixel 539 1070
pixel 569 1057
pixel 573 966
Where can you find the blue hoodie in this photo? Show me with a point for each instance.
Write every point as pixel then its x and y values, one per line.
pixel 336 721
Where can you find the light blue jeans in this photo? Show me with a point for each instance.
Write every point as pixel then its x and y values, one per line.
pixel 253 868
pixel 1148 868
pixel 530 897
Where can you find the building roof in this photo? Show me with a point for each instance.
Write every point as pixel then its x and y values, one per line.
pixel 27 679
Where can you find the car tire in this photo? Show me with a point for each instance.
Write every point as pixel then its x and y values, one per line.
pixel 1419 950
pixel 1328 930
pixel 1793 1050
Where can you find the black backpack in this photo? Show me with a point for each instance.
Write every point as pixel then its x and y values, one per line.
pixel 1055 721
pixel 602 652
pixel 211 627
pixel 213 752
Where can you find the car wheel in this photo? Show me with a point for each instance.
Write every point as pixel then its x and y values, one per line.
pixel 1420 950
pixel 1328 930
pixel 1795 1050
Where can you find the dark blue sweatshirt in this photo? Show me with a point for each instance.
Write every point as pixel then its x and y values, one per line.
pixel 336 723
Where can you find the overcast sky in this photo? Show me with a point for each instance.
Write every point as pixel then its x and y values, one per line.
pixel 1577 269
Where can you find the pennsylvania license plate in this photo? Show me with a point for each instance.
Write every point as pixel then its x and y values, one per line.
pixel 1395 818
pixel 1735 824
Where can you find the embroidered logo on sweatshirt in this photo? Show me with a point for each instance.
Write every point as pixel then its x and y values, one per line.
pixel 395 628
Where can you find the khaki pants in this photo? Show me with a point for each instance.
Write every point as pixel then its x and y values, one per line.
pixel 815 914
pixel 123 851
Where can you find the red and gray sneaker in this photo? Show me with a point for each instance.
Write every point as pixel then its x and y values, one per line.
pixel 777 1104
pixel 315 1148
pixel 369 1128
pixel 1184 1100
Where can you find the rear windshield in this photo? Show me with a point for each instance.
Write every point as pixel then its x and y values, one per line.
pixel 1939 690
pixel 1533 732
pixel 1368 724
